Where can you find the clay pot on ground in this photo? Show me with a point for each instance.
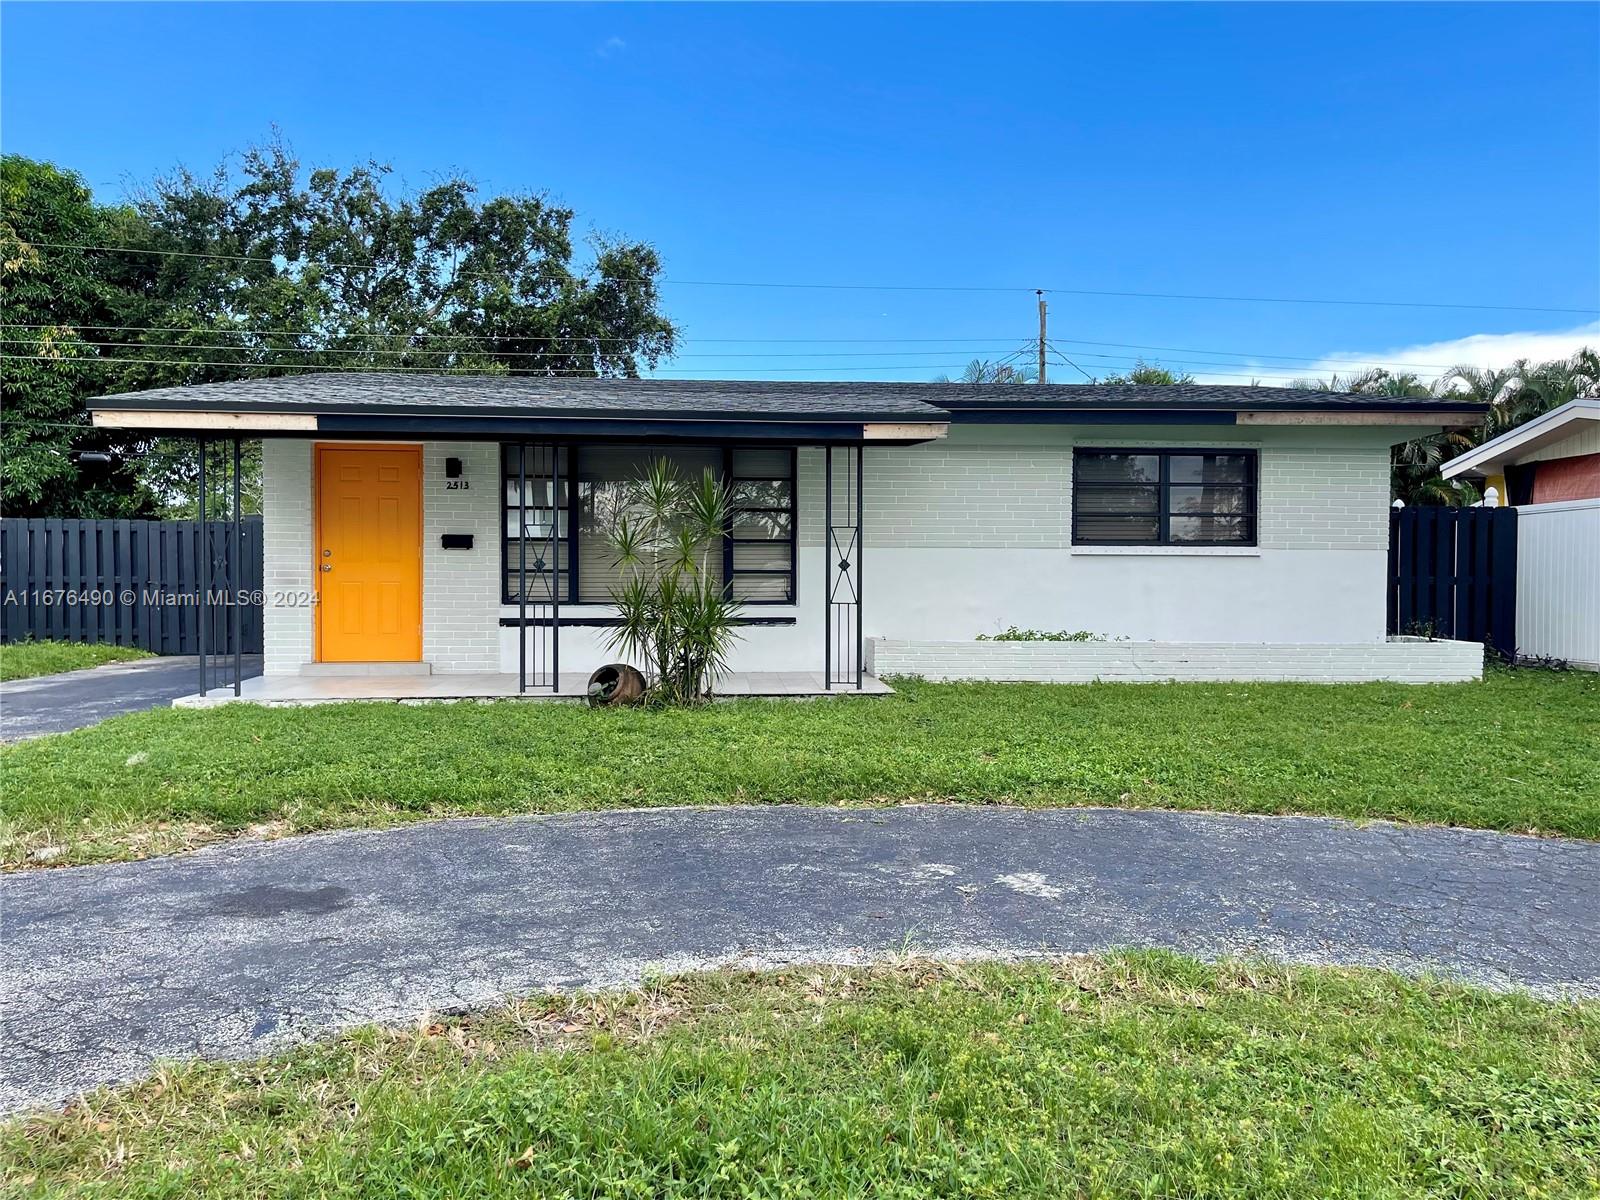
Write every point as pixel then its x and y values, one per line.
pixel 616 683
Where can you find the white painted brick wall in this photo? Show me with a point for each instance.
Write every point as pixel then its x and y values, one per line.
pixel 1314 495
pixel 1398 661
pixel 287 528
pixel 950 494
pixel 962 536
pixel 1324 497
pixel 460 588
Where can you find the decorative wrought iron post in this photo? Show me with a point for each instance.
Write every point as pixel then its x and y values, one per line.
pixel 522 567
pixel 203 608
pixel 235 575
pixel 556 510
pixel 546 620
pixel 843 661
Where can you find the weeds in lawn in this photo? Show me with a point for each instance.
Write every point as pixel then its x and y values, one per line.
pixel 1136 1074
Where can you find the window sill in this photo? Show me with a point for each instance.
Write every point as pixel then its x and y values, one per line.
pixel 1173 551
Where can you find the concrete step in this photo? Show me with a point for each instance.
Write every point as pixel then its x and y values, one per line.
pixel 366 668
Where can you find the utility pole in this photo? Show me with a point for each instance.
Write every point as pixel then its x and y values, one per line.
pixel 1039 292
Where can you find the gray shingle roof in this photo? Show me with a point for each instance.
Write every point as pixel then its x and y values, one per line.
pixel 1177 395
pixel 528 395
pixel 721 399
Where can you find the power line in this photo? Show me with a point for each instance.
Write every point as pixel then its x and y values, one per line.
pixel 489 337
pixel 1320 360
pixel 1069 362
pixel 381 370
pixel 881 287
pixel 1269 369
pixel 1310 359
pixel 1114 361
pixel 370 369
pixel 495 354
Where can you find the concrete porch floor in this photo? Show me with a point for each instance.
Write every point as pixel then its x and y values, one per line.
pixel 324 689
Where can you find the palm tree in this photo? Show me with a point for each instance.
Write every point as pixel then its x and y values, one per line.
pixel 981 370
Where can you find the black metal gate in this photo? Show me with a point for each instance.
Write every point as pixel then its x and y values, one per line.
pixel 1453 574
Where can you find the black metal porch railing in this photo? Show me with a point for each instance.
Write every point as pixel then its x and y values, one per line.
pixel 539 548
pixel 843 646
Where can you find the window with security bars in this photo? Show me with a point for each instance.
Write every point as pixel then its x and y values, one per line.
pixel 566 532
pixel 1164 497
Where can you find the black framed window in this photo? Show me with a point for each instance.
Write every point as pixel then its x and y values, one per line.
pixel 1164 497
pixel 758 554
pixel 757 559
pixel 546 538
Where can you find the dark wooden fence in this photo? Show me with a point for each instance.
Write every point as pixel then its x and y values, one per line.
pixel 130 583
pixel 1453 574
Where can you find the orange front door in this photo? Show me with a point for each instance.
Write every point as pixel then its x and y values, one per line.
pixel 369 554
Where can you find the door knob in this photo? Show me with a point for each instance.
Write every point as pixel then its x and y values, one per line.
pixel 327 566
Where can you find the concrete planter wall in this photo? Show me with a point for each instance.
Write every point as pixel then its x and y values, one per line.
pixel 1398 660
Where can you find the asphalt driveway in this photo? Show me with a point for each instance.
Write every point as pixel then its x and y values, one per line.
pixel 57 703
pixel 232 950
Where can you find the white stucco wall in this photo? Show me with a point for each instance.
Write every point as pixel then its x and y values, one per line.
pixel 964 536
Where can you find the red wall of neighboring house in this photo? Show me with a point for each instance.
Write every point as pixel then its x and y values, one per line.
pixel 1576 478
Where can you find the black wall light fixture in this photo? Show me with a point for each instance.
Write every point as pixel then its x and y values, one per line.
pixel 452 468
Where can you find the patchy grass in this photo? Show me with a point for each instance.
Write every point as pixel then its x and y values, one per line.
pixel 25 660
pixel 1134 1075
pixel 1519 751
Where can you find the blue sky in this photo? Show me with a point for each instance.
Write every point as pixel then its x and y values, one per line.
pixel 1393 152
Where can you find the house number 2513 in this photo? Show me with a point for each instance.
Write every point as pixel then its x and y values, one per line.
pixel 456 485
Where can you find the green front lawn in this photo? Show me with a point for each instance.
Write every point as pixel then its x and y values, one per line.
pixel 1136 1075
pixel 1520 751
pixel 24 660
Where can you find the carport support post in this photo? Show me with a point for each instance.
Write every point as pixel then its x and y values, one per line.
pixel 861 628
pixel 203 611
pixel 235 562
pixel 522 568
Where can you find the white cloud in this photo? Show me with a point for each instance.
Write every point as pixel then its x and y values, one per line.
pixel 611 47
pixel 1425 359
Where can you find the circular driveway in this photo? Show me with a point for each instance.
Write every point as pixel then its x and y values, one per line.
pixel 231 951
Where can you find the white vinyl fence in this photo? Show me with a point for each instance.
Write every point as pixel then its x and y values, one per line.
pixel 1558 581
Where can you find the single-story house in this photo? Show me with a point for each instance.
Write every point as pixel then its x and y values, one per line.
pixel 1548 469
pixel 450 525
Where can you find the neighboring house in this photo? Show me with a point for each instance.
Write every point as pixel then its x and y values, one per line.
pixel 455 521
pixel 1552 458
pixel 1549 470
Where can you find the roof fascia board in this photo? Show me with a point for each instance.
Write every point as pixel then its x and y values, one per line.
pixel 1087 416
pixel 630 430
pixel 242 422
pixel 475 411
pixel 1419 416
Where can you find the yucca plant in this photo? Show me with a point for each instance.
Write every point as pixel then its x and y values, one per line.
pixel 677 622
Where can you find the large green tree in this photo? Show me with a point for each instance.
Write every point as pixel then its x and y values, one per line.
pixel 53 296
pixel 264 268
